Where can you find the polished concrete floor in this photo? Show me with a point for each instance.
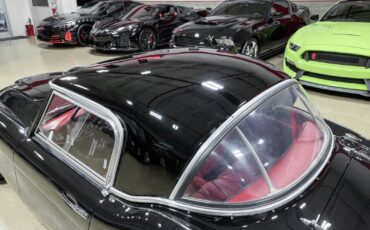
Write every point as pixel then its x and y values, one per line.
pixel 26 57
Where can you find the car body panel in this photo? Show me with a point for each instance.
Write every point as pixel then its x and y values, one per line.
pixel 272 33
pixel 346 42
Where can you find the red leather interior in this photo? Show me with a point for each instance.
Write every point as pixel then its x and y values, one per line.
pixel 231 182
pixel 57 122
pixel 290 166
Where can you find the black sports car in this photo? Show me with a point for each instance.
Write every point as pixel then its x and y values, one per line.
pixel 74 28
pixel 251 27
pixel 179 139
pixel 146 27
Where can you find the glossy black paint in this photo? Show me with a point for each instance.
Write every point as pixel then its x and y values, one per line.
pixel 108 34
pixel 271 32
pixel 53 29
pixel 340 195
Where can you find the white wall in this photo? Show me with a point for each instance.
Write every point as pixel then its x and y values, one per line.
pixel 18 13
pixel 68 5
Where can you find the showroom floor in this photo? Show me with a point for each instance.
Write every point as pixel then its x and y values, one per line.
pixel 26 57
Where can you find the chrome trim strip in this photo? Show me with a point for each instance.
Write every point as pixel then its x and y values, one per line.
pixel 104 114
pixel 257 159
pixel 231 122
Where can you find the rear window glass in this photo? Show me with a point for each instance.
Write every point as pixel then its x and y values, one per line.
pixel 268 151
pixel 79 134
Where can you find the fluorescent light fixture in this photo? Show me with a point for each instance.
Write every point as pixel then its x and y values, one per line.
pixel 212 85
pixel 156 115
pixel 146 72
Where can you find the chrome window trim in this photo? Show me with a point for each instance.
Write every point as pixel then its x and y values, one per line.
pixel 99 111
pixel 209 145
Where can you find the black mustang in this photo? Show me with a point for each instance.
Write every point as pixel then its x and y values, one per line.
pixel 179 139
pixel 251 27
pixel 74 28
pixel 144 28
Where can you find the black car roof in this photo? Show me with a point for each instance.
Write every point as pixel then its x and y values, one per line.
pixel 177 97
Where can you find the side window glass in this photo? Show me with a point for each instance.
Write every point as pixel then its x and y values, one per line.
pixel 268 151
pixel 79 134
pixel 280 9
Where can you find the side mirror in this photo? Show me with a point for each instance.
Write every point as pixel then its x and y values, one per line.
pixel 315 17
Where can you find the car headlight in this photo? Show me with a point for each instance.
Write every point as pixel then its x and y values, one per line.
pixel 69 24
pixel 294 47
pixel 225 42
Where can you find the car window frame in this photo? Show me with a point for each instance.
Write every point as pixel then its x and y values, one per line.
pixel 175 200
pixel 97 110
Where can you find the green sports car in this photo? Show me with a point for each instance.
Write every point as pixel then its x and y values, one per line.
pixel 333 53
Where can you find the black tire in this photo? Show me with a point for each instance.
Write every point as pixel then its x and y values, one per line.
pixel 83 34
pixel 251 48
pixel 147 40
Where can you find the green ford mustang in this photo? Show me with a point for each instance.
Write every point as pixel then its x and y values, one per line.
pixel 333 53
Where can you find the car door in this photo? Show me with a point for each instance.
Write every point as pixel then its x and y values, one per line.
pixel 276 31
pixel 62 166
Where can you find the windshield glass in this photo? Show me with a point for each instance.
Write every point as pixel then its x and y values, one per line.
pixel 142 13
pixel 246 9
pixel 349 12
pixel 270 150
pixel 97 8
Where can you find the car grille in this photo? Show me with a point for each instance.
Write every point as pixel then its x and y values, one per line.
pixel 337 58
pixel 191 41
pixel 325 77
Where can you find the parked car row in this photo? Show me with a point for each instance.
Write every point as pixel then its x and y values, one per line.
pixel 333 53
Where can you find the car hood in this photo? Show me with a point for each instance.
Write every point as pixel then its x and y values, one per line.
pixel 216 25
pixel 63 18
pixel 352 34
pixel 110 24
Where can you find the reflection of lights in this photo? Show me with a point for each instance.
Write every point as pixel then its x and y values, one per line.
pixel 128 209
pixel 237 153
pixel 230 167
pixel 302 206
pixel 81 87
pixel 2 124
pixel 325 225
pixel 129 102
pixel 159 225
pixel 196 35
pixel 102 71
pixel 212 85
pixel 38 155
pixel 274 217
pixel 156 115
pixel 146 72
pixel 266 164
pixel 70 78
pixel 261 141
pixel 22 131
pixel 175 127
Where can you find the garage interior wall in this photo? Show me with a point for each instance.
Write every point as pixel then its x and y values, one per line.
pixel 18 13
pixel 20 10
